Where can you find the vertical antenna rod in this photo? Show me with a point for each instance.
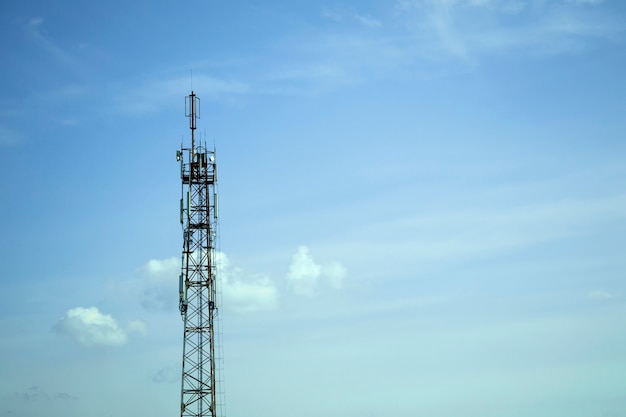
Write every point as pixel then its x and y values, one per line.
pixel 198 278
pixel 192 110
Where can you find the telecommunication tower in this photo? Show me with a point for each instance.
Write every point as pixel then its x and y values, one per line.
pixel 198 278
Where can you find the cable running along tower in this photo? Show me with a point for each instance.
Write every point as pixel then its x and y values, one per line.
pixel 198 278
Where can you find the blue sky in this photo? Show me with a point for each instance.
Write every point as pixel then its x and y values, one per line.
pixel 422 205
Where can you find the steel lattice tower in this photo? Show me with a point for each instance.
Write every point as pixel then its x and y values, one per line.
pixel 198 289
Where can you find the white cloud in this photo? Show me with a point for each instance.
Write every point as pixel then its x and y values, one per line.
pixel 161 269
pixel 304 274
pixel 159 286
pixel 259 293
pixel 137 326
pixel 243 292
pixel 90 327
pixel 335 273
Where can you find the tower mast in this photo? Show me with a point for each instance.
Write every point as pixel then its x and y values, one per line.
pixel 197 286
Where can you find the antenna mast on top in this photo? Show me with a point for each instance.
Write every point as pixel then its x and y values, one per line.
pixel 192 110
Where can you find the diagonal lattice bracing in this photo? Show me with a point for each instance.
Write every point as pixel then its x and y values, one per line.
pixel 198 279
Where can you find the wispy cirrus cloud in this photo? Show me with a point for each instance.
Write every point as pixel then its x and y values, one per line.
pixel 453 237
pixel 367 20
pixel 468 29
pixel 362 46
pixel 347 16
pixel 333 61
pixel 34 29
